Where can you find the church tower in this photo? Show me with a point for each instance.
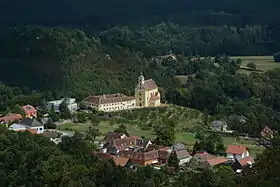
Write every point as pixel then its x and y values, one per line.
pixel 140 92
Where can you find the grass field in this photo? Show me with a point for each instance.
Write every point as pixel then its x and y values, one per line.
pixel 263 63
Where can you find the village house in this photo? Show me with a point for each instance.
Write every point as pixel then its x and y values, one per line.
pixel 119 161
pixel 140 158
pixel 207 160
pixel 236 152
pixel 163 152
pixel 128 143
pixel 10 118
pixel 267 133
pixel 110 102
pixel 182 154
pixel 219 126
pixel 240 164
pixel 146 93
pixel 28 124
pixel 71 104
pixel 29 111
pixel 113 136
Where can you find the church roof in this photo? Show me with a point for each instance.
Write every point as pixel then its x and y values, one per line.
pixel 109 98
pixel 149 85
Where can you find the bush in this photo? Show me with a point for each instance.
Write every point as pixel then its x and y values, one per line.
pixel 252 65
pixel 277 57
pixel 50 125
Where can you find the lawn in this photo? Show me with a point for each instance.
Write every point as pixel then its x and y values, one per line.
pixel 263 63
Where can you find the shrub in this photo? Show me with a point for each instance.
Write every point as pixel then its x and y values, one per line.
pixel 252 65
pixel 277 57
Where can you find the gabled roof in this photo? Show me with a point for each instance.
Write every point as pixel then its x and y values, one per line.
pixel 113 136
pixel 30 122
pixel 217 161
pixel 141 156
pixel 204 155
pixel 29 108
pixel 246 161
pixel 10 118
pixel 178 146
pixel 236 149
pixel 163 154
pixel 149 85
pixel 218 123
pixel 152 147
pixel 181 154
pixel 121 161
pixel 123 143
pixel 103 155
pixel 109 98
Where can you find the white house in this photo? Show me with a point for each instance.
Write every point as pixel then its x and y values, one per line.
pixel 236 152
pixel 71 104
pixel 181 152
pixel 29 123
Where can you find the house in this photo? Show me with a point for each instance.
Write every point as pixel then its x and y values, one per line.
pixel 181 152
pixel 163 152
pixel 31 123
pixel 240 164
pixel 70 102
pixel 236 152
pixel 119 161
pixel 210 160
pixel 128 143
pixel 140 158
pixel 146 93
pixel 217 125
pixel 110 102
pixel 10 118
pixel 113 136
pixel 29 111
pixel 267 133
pixel 17 127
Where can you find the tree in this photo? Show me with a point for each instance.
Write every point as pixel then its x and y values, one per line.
pixel 53 114
pixel 65 113
pixel 165 135
pixel 277 57
pixel 81 117
pixel 92 133
pixel 50 125
pixel 173 160
pixel 122 129
pixel 252 65
pixel 212 143
pixel 18 110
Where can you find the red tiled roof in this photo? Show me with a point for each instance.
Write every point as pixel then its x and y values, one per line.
pixel 121 161
pixel 103 155
pixel 109 98
pixel 246 160
pixel 121 144
pixel 205 156
pixel 149 85
pixel 29 108
pixel 10 118
pixel 216 161
pixel 152 147
pixel 163 154
pixel 236 149
pixel 141 156
pixel 113 136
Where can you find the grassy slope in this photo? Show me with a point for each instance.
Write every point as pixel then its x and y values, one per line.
pixel 184 118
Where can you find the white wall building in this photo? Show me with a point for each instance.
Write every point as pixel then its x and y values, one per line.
pixel 110 102
pixel 236 152
pixel 71 104
pixel 28 123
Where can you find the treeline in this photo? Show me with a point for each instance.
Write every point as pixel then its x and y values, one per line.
pixel 162 38
pixel 99 13
pixel 33 160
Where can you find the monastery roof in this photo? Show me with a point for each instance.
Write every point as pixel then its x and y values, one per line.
pixel 109 98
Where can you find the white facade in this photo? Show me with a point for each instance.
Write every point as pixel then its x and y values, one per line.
pixel 184 161
pixel 231 156
pixel 71 104
pixel 19 127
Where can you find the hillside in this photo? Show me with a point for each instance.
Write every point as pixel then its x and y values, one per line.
pixel 68 62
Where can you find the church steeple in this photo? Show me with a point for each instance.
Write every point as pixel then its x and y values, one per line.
pixel 141 79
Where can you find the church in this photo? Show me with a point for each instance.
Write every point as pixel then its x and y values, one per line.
pixel 146 93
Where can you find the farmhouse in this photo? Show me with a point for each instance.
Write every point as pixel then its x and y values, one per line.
pixel 236 152
pixel 30 111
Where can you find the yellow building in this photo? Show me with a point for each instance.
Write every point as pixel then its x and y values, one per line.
pixel 110 102
pixel 146 93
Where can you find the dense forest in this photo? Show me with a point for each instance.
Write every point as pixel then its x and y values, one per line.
pixel 32 160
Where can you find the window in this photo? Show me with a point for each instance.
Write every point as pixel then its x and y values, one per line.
pixel 40 128
pixel 139 94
